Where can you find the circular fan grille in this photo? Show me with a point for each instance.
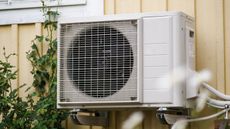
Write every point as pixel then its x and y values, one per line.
pixel 100 61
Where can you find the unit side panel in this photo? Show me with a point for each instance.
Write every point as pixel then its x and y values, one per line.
pixel 179 60
pixel 191 92
pixel 157 59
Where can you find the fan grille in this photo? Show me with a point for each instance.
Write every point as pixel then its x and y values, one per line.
pixel 98 59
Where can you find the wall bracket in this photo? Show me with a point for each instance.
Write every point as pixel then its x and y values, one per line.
pixel 85 117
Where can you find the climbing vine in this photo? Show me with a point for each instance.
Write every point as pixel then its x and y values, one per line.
pixel 45 74
pixel 38 110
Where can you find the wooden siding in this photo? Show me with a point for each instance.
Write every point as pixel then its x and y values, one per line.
pixel 212 42
pixel 212 48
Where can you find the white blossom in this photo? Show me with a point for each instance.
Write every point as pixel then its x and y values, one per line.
pixel 201 100
pixel 198 78
pixel 175 77
pixel 133 120
pixel 180 124
pixel 9 2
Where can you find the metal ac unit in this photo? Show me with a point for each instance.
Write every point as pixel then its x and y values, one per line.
pixel 117 61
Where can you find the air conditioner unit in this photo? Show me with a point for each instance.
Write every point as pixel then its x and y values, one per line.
pixel 117 61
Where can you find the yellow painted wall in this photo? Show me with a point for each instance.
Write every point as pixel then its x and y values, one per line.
pixel 212 19
pixel 212 47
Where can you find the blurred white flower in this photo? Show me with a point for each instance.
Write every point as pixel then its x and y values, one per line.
pixel 180 74
pixel 133 120
pixel 201 100
pixel 176 76
pixel 180 124
pixel 198 78
pixel 194 82
pixel 9 2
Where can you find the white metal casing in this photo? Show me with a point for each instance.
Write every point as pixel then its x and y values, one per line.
pixel 161 48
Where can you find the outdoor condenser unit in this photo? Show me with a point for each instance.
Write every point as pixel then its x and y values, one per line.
pixel 119 61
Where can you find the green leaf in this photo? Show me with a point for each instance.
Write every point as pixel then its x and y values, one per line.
pixel 39 38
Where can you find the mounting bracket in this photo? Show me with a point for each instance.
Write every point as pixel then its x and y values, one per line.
pixel 169 115
pixel 85 117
